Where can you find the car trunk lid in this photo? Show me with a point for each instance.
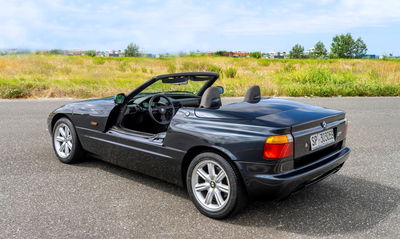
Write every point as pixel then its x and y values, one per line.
pixel 304 120
pixel 305 133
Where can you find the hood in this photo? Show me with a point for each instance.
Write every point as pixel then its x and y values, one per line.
pixel 105 100
pixel 101 106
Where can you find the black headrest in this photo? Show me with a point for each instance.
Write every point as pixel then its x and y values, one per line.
pixel 253 94
pixel 211 98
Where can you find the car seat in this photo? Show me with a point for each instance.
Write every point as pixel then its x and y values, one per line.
pixel 253 94
pixel 211 99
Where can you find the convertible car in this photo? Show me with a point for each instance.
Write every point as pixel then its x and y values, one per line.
pixel 174 127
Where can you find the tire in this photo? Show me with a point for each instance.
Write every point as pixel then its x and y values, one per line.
pixel 65 142
pixel 215 195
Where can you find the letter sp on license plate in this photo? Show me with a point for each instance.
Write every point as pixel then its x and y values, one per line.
pixel 321 139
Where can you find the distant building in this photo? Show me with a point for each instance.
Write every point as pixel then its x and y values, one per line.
pixel 102 53
pixel 372 56
pixel 73 52
pixel 266 55
pixel 114 53
pixel 275 55
pixel 229 53
pixel 150 55
pixel 239 54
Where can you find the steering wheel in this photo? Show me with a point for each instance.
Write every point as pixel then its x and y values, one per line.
pixel 163 112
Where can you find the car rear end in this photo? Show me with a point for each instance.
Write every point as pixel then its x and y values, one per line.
pixel 314 149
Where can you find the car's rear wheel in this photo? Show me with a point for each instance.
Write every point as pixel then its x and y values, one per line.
pixel 66 144
pixel 214 185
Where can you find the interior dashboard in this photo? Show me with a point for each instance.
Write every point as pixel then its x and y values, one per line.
pixel 141 103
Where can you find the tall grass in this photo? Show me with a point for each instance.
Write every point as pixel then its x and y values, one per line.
pixel 29 76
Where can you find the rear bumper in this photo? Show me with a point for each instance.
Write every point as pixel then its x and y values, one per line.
pixel 278 186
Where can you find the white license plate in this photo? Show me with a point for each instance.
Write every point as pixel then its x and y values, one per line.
pixel 321 139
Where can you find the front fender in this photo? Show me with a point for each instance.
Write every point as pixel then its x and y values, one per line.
pixel 65 110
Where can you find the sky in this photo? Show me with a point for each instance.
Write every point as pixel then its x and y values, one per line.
pixel 160 26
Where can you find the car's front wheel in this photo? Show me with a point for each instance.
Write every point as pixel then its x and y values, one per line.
pixel 214 186
pixel 66 144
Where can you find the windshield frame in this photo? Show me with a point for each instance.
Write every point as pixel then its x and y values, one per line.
pixel 212 77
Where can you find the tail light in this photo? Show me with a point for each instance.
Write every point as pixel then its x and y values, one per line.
pixel 278 146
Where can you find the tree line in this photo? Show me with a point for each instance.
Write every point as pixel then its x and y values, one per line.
pixel 342 46
pixel 132 50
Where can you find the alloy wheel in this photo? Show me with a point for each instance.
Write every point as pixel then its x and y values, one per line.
pixel 63 140
pixel 210 185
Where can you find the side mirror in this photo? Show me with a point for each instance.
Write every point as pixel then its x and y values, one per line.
pixel 119 98
pixel 220 89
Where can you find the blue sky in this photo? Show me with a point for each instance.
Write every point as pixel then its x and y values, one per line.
pixel 188 25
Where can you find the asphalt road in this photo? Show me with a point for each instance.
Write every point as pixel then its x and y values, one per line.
pixel 43 198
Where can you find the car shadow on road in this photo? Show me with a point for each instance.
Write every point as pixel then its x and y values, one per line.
pixel 338 205
pixel 135 176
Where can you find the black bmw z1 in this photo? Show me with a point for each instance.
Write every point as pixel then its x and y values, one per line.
pixel 174 127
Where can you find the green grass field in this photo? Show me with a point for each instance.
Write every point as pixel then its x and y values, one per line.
pixel 37 76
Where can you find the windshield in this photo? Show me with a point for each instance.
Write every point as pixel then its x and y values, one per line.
pixel 184 87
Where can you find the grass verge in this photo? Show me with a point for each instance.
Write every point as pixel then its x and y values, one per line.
pixel 31 76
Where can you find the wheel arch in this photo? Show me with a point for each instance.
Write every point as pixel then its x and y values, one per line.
pixel 192 152
pixel 56 118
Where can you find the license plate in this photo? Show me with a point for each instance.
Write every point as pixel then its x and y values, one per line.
pixel 321 139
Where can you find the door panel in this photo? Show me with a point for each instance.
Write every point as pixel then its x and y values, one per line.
pixel 142 154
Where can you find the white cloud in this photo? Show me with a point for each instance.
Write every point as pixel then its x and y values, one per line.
pixel 179 24
pixel 342 16
pixel 17 18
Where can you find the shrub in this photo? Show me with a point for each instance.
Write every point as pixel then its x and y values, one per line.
pixel 264 62
pixel 91 53
pixel 187 66
pixel 256 54
pixel 171 68
pixel 123 66
pixel 21 90
pixel 65 70
pixel 99 60
pixel 13 92
pixel 214 68
pixel 221 53
pixel 288 68
pixel 47 68
pixel 56 52
pixel 230 72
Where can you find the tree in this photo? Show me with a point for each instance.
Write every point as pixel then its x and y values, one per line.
pixel 256 54
pixel 91 53
pixel 297 51
pixel 341 46
pixel 386 56
pixel 56 52
pixel 132 50
pixel 319 51
pixel 360 48
pixel 344 46
pixel 221 53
